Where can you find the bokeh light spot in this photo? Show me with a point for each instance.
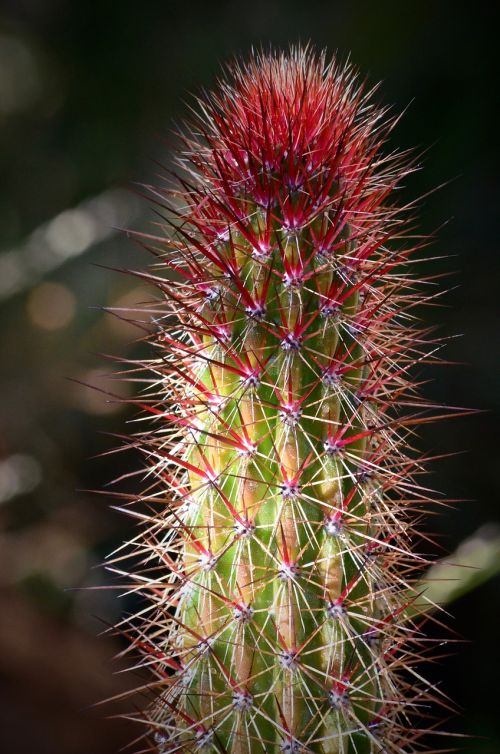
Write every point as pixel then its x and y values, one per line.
pixel 19 475
pixel 20 85
pixel 51 306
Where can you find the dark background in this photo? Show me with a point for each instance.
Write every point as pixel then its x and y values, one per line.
pixel 88 91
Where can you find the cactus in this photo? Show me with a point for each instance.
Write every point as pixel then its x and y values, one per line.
pixel 275 552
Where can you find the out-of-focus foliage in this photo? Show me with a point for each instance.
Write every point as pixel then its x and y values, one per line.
pixel 475 560
pixel 87 96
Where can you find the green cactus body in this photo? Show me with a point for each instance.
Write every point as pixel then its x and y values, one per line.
pixel 275 552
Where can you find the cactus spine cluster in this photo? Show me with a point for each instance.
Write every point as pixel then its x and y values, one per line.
pixel 276 527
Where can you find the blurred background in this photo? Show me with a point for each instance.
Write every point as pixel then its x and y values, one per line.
pixel 88 94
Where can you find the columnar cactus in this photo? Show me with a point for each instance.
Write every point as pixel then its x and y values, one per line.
pixel 275 549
